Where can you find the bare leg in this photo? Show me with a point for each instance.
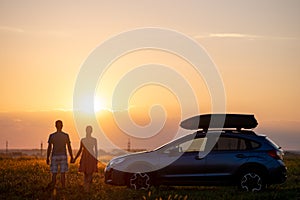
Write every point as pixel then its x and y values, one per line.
pixel 63 179
pixel 53 182
pixel 90 178
pixel 87 181
pixel 51 185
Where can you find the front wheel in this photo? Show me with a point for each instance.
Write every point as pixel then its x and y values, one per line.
pixel 139 181
pixel 251 181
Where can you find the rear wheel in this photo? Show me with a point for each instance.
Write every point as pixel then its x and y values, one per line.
pixel 139 181
pixel 251 181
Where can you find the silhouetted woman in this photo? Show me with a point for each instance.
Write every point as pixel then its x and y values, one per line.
pixel 88 160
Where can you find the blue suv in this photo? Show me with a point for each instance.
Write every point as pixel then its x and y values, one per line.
pixel 231 155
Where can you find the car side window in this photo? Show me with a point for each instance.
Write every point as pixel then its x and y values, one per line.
pixel 230 143
pixel 253 145
pixel 194 145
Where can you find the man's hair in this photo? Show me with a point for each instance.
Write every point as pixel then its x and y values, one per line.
pixel 58 124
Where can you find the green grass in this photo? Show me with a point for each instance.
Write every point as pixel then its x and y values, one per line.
pixel 27 178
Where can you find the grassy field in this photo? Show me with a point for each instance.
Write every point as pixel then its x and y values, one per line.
pixel 27 178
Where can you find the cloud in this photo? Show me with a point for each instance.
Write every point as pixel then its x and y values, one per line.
pixel 234 35
pixel 54 33
pixel 242 36
pixel 11 29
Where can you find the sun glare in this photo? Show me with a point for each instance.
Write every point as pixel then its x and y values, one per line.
pixel 99 104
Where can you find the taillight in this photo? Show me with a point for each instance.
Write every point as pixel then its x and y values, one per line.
pixel 277 154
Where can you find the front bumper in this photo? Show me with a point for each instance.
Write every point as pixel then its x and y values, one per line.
pixel 115 177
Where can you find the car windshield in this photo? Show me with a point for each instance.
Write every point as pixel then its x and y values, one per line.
pixel 186 137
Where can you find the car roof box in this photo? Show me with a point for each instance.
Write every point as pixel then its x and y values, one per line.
pixel 220 121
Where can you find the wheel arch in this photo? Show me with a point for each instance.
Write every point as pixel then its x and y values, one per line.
pixel 253 166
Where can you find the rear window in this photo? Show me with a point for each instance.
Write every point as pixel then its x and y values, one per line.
pixel 273 143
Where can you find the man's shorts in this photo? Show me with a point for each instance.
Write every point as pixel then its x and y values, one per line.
pixel 61 162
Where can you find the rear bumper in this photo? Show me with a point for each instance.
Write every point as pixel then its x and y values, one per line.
pixel 278 175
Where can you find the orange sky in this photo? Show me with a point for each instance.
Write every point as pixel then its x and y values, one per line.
pixel 254 44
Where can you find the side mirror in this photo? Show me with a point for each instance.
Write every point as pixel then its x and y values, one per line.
pixel 200 156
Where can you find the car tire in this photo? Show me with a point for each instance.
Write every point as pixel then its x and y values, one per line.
pixel 139 181
pixel 251 181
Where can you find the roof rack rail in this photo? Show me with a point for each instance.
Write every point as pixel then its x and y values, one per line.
pixel 248 132
pixel 225 131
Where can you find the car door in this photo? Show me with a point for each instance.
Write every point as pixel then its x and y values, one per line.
pixel 228 154
pixel 187 166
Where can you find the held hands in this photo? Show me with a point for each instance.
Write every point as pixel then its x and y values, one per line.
pixel 47 161
pixel 73 160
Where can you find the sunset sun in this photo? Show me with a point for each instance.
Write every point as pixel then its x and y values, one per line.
pixel 100 104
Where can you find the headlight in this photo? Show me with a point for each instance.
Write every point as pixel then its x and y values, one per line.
pixel 116 161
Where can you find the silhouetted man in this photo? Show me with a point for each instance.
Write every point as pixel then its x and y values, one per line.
pixel 57 148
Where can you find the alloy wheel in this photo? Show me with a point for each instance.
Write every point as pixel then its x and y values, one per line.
pixel 140 181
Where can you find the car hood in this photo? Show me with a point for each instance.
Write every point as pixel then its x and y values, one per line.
pixel 132 155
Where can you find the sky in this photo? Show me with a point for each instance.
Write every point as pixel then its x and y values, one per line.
pixel 254 44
